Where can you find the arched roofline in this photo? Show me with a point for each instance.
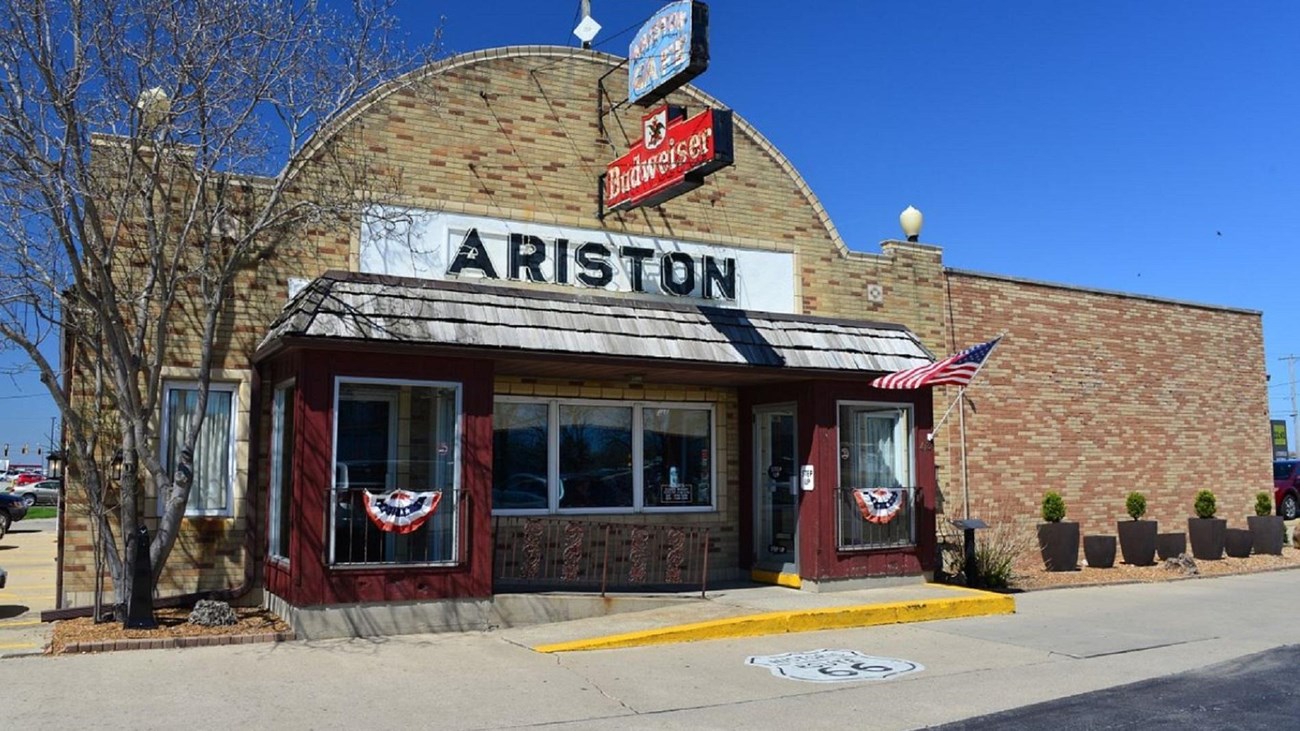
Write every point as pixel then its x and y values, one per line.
pixel 411 78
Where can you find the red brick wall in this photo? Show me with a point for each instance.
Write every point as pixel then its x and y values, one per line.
pixel 1096 394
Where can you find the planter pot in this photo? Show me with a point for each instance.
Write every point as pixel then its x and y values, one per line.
pixel 1268 533
pixel 1237 542
pixel 1171 545
pixel 1207 536
pixel 1059 543
pixel 1100 551
pixel 1137 542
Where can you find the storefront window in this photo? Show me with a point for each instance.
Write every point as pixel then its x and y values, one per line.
pixel 279 524
pixel 601 457
pixel 677 457
pixel 876 497
pixel 595 457
pixel 520 439
pixel 395 496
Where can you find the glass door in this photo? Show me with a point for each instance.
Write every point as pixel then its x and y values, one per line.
pixel 776 491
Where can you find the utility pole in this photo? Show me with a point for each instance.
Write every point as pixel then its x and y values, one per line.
pixel 1295 413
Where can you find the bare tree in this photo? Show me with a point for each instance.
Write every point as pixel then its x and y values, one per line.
pixel 151 153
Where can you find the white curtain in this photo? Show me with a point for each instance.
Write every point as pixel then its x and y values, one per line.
pixel 212 449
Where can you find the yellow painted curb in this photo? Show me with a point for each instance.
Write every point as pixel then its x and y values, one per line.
pixel 805 620
pixel 772 577
pixel 22 623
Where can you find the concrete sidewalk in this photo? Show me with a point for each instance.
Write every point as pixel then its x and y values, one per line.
pixel 752 611
pixel 28 553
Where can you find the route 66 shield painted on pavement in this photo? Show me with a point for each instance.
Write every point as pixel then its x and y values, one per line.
pixel 833 666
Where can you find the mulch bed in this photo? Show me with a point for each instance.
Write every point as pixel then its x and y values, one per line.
pixel 1031 576
pixel 83 635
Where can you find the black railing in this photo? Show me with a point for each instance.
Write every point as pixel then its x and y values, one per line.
pixel 355 539
pixel 864 523
pixel 539 553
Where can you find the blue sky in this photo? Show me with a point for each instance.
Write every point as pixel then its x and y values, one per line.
pixel 1147 147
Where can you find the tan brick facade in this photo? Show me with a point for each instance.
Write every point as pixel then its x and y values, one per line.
pixel 1092 394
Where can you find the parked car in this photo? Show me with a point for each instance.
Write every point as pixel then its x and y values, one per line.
pixel 45 492
pixel 1286 487
pixel 27 478
pixel 12 510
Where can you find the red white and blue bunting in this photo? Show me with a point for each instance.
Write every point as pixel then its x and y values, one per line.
pixel 879 504
pixel 400 511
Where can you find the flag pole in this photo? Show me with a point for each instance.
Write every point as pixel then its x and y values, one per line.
pixel 961 421
pixel 962 390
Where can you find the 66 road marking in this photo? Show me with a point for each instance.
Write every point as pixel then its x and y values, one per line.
pixel 833 666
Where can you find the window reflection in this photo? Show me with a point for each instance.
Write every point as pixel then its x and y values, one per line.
pixel 676 450
pixel 394 437
pixel 595 456
pixel 519 456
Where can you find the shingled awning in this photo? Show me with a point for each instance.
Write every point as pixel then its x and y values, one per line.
pixel 371 308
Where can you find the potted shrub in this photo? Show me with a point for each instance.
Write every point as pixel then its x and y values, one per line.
pixel 1137 537
pixel 1267 530
pixel 1099 551
pixel 1206 532
pixel 1058 540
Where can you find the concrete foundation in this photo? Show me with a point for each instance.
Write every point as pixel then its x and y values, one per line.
pixel 870 582
pixel 457 615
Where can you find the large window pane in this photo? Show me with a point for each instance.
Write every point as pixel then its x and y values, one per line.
pixel 595 456
pixel 520 441
pixel 677 449
pixel 211 487
pixel 875 454
pixel 279 524
pixel 394 437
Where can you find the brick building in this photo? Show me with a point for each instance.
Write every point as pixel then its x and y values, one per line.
pixel 687 401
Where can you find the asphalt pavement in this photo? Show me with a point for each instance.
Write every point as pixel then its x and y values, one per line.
pixel 1061 644
pixel 1252 692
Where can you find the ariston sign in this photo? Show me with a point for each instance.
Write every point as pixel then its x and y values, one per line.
pixel 674 156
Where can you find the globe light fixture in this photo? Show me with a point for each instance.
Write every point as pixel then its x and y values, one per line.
pixel 154 106
pixel 911 219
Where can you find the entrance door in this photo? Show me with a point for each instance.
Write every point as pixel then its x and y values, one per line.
pixel 776 496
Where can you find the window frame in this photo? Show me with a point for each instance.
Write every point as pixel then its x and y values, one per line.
pixel 905 442
pixel 457 436
pixel 164 444
pixel 638 506
pixel 281 408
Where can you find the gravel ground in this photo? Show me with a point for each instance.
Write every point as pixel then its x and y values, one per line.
pixel 171 623
pixel 1030 576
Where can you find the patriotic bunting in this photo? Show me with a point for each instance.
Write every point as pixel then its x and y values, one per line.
pixel 401 511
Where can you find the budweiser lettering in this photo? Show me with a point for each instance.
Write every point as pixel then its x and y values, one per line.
pixel 674 156
pixel 631 175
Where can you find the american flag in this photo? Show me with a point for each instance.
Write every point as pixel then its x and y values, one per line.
pixel 955 370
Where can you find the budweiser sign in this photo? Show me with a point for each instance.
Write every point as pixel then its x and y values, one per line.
pixel 674 156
